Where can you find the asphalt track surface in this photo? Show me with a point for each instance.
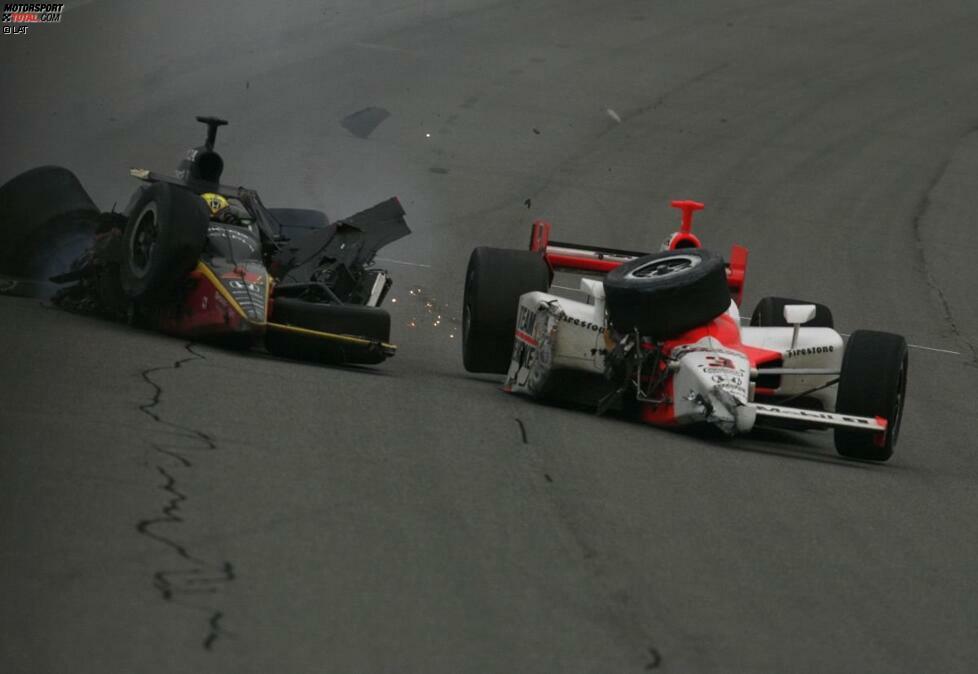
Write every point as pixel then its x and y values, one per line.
pixel 174 507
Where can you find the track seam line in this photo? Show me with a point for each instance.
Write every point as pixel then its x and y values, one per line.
pixel 204 577
pixel 923 205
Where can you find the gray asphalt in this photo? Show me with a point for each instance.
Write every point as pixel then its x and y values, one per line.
pixel 174 507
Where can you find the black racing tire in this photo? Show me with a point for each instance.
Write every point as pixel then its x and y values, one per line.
pixel 665 294
pixel 342 319
pixel 47 221
pixel 162 241
pixel 494 281
pixel 769 313
pixel 873 383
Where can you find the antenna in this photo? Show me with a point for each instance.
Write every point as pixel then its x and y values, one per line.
pixel 212 124
pixel 688 208
pixel 684 238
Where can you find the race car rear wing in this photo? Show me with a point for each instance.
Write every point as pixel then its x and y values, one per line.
pixel 586 259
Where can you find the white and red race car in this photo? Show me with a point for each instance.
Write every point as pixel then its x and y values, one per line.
pixel 659 337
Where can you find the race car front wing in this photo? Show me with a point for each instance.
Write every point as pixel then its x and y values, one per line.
pixel 818 418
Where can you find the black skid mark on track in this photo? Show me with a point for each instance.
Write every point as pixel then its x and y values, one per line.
pixel 619 616
pixel 656 660
pixel 197 579
pixel 519 422
pixel 918 216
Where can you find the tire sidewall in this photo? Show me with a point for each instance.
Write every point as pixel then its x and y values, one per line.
pixel 372 323
pixel 181 220
pixel 663 307
pixel 872 383
pixel 495 279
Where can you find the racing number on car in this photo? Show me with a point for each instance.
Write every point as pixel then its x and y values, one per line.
pixel 720 362
pixel 525 343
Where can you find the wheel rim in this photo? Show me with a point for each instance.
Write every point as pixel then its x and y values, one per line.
pixel 142 241
pixel 663 267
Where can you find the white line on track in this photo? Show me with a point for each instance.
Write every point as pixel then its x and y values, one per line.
pixel 930 348
pixel 409 264
pixel 918 346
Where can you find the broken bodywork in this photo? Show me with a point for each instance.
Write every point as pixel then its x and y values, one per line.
pixel 659 336
pixel 248 274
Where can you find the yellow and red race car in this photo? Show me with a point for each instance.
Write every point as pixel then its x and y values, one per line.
pixel 195 258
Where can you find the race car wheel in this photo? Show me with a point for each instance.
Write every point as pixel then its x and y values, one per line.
pixel 162 241
pixel 494 281
pixel 340 319
pixel 47 220
pixel 769 313
pixel 666 294
pixel 873 383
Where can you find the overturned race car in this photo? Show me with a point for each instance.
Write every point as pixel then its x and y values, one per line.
pixel 192 257
pixel 659 338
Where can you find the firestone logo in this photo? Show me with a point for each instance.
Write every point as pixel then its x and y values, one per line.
pixel 24 13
